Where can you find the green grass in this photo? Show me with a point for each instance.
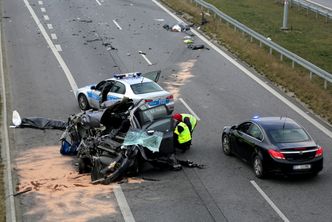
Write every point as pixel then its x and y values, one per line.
pixel 294 81
pixel 308 37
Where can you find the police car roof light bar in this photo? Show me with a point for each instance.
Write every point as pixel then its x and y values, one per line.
pixel 128 75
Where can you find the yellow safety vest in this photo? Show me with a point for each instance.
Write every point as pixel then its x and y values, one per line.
pixel 185 136
pixel 192 120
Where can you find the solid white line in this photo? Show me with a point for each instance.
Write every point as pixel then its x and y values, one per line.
pixel 255 78
pixel 12 216
pixel 123 204
pixel 53 48
pixel 146 59
pixel 275 208
pixel 117 25
pixel 53 36
pixel 190 110
pixel 58 48
pixel 43 9
pixel 46 17
pixel 98 2
pixel 125 210
pixel 40 2
pixel 49 26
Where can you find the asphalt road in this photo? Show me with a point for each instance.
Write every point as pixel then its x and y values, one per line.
pixel 326 3
pixel 98 38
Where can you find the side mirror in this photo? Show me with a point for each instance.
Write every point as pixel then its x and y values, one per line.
pixel 234 127
pixel 93 87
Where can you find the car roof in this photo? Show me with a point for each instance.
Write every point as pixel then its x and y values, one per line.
pixel 275 122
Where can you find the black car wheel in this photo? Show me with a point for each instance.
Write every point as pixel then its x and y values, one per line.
pixel 83 102
pixel 225 145
pixel 258 167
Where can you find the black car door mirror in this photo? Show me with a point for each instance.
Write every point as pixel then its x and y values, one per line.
pixel 234 127
pixel 93 87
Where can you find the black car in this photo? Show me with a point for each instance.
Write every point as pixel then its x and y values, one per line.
pixel 273 144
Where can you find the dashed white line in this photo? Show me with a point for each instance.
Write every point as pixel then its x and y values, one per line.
pixel 43 9
pixel 49 26
pixel 190 110
pixel 46 18
pixel 58 48
pixel 117 25
pixel 146 59
pixel 53 36
pixel 125 210
pixel 255 78
pixel 40 2
pixel 53 48
pixel 275 208
pixel 98 2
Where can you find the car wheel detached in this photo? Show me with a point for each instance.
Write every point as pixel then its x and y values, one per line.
pixel 258 167
pixel 225 145
pixel 83 102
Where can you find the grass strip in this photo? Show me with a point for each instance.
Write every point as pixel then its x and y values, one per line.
pixel 295 81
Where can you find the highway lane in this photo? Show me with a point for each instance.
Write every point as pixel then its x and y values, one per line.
pixel 217 91
pixel 326 3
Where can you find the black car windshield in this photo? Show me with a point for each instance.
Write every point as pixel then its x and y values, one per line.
pixel 145 87
pixel 287 135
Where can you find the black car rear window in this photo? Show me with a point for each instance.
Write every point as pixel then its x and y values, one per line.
pixel 145 87
pixel 288 135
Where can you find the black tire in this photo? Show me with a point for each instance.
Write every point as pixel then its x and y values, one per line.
pixel 83 102
pixel 84 165
pixel 258 167
pixel 225 145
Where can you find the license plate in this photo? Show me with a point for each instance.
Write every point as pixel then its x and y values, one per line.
pixel 302 167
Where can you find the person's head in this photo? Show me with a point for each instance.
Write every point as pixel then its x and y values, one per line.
pixel 177 117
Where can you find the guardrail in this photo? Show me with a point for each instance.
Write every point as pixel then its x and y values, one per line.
pixel 314 7
pixel 313 69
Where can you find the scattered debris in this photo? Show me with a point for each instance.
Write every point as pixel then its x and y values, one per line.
pixel 23 191
pixel 141 53
pixel 94 40
pixel 196 47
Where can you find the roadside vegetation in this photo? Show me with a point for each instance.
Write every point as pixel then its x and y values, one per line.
pixel 295 81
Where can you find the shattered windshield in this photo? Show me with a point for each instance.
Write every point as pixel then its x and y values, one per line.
pixel 140 137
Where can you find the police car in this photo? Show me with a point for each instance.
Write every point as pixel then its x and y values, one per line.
pixel 135 86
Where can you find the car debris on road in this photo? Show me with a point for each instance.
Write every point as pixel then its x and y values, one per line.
pixel 117 141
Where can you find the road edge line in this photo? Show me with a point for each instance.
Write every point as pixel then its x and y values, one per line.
pixel 9 191
pixel 253 77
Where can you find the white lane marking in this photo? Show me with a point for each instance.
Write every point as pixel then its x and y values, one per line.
pixel 117 25
pixel 275 208
pixel 7 160
pixel 125 210
pixel 46 18
pixel 123 204
pixel 190 110
pixel 43 9
pixel 146 59
pixel 49 26
pixel 53 36
pixel 53 48
pixel 98 2
pixel 255 78
pixel 40 2
pixel 58 48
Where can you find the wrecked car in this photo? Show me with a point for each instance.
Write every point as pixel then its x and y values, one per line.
pixel 136 86
pixel 116 141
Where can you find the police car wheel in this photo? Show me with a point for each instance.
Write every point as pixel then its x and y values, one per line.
pixel 83 102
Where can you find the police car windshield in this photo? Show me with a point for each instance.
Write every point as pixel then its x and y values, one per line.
pixel 145 87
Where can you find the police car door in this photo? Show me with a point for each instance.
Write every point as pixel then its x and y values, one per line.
pixel 94 94
pixel 154 75
pixel 117 92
